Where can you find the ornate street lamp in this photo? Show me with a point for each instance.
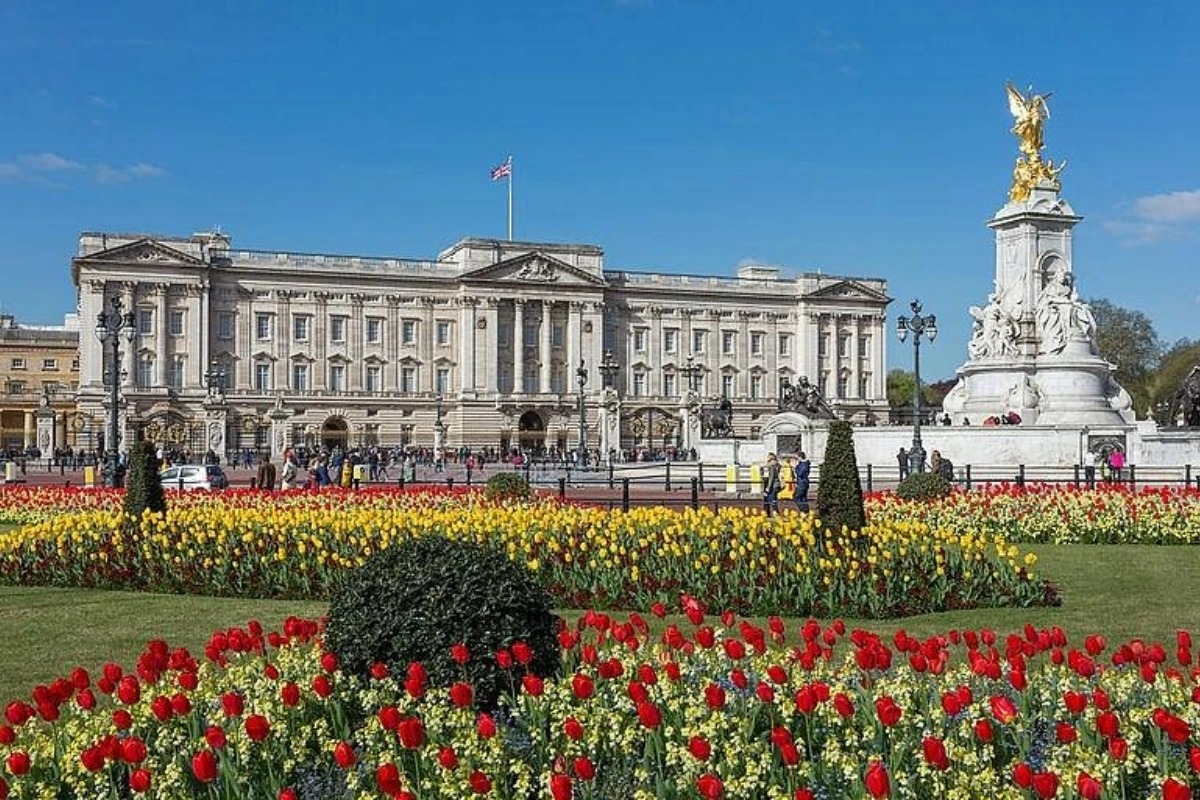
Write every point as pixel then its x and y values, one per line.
pixel 581 381
pixel 214 382
pixel 439 430
pixel 692 373
pixel 920 326
pixel 111 325
pixel 608 370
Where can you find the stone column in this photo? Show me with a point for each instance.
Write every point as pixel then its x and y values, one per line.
pixel 488 380
pixel 654 380
pixel 518 346
pixel 283 335
pixel 29 429
pixel 200 345
pixel 742 381
pixel 712 356
pixel 127 348
pixel 354 370
pixel 245 344
pixel 609 423
pixel 425 338
pixel 879 340
pixel 160 334
pixel 468 356
pixel 279 417
pixel 546 352
pixel 216 427
pixel 574 341
pixel 320 342
pixel 593 348
pixel 391 333
pixel 854 359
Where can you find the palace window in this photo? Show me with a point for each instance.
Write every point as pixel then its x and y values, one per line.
pixel 443 380
pixel 823 345
pixel 727 385
pixel 864 345
pixel 502 334
pixel 529 335
pixel 337 329
pixel 843 388
pixel 408 332
pixel 16 387
pixel 558 383
pixel 262 377
pixel 671 340
pixel 755 387
pixel 225 320
pixel 443 333
pixel 175 323
pixel 337 377
pixel 669 384
pixel 843 346
pixel 300 377
pixel 529 382
pixel 374 382
pixel 49 364
pixel 300 326
pixel 18 363
pixel 639 339
pixel 75 365
pixel 262 327
pixel 864 380
pixel 639 384
pixel 557 335
pixel 728 342
pixel 374 330
pixel 699 340
pixel 145 321
pixel 145 372
pixel 175 373
pixel 785 345
pixel 756 344
pixel 408 379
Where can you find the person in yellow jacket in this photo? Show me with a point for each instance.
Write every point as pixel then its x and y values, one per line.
pixel 787 481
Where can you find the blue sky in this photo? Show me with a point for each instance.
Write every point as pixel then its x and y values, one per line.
pixel 855 138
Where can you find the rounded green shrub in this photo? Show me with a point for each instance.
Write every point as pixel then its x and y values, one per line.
pixel 507 486
pixel 417 600
pixel 923 486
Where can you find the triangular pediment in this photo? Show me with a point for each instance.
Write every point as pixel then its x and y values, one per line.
pixel 533 269
pixel 848 290
pixel 145 251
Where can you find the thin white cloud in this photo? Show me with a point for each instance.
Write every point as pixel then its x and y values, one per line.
pixel 105 173
pixel 1157 218
pixel 38 168
pixel 99 102
pixel 1170 207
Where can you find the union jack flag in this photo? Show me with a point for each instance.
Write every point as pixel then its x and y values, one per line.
pixel 504 170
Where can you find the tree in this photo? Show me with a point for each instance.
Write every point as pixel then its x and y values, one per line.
pixel 143 486
pixel 1173 367
pixel 1127 338
pixel 839 498
pixel 900 386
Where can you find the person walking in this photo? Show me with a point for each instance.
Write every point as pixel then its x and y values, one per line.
pixel 288 478
pixel 266 474
pixel 902 461
pixel 771 485
pixel 802 470
pixel 1116 460
pixel 787 479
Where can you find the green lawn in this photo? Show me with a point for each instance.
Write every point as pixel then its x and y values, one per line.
pixel 1120 591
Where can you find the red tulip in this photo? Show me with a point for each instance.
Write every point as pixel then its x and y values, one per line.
pixel 582 686
pixel 1118 748
pixel 1089 788
pixel 983 730
pixel 139 780
pixel 1065 733
pixel 411 732
pixel 1107 724
pixel 447 758
pixel 329 662
pixel 459 653
pixel 92 759
pixel 215 736
pixel 935 753
pixel 843 705
pixel 887 711
pixel 1174 790
pixel 1023 775
pixel 649 715
pixel 573 729
pixel 387 778
pixel 1003 709
pixel 480 784
pixel 461 694
pixel 288 794
pixel 560 787
pixel 583 768
pixel 232 704
pixel 533 685
pixel 876 780
pixel 380 671
pixel 1045 784
pixel 522 652
pixel 714 696
pixel 699 747
pixel 710 786
pixel 343 754
pixel 290 694
pixel 257 727
pixel 133 750
pixel 486 726
pixel 204 766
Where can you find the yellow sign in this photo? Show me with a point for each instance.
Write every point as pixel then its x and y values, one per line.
pixel 89 476
pixel 731 475
pixel 755 478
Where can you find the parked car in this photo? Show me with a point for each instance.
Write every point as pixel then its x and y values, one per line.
pixel 194 477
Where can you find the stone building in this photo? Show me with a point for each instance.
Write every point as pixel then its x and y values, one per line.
pixel 251 348
pixel 39 369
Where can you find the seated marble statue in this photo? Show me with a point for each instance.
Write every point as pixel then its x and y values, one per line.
pixel 1061 316
pixel 994 332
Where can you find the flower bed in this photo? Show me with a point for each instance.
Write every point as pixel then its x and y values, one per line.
pixel 720 709
pixel 297 545
pixel 1056 513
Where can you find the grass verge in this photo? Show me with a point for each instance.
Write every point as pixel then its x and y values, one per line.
pixel 1121 591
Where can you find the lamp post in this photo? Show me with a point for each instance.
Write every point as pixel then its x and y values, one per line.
pixel 692 373
pixel 214 382
pixel 608 369
pixel 110 326
pixel 439 434
pixel 581 381
pixel 920 326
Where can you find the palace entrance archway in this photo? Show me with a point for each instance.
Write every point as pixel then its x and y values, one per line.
pixel 335 433
pixel 531 432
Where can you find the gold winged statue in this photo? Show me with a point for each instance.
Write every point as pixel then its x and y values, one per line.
pixel 1030 113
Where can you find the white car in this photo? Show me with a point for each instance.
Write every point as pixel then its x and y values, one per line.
pixel 188 476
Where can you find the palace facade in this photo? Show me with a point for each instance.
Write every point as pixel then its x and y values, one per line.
pixel 39 370
pixel 234 348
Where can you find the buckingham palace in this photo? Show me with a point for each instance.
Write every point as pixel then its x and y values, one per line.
pixel 491 343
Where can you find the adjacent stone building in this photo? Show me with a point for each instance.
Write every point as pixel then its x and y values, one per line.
pixel 252 348
pixel 39 370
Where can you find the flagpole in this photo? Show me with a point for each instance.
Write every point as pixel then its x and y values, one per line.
pixel 510 177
